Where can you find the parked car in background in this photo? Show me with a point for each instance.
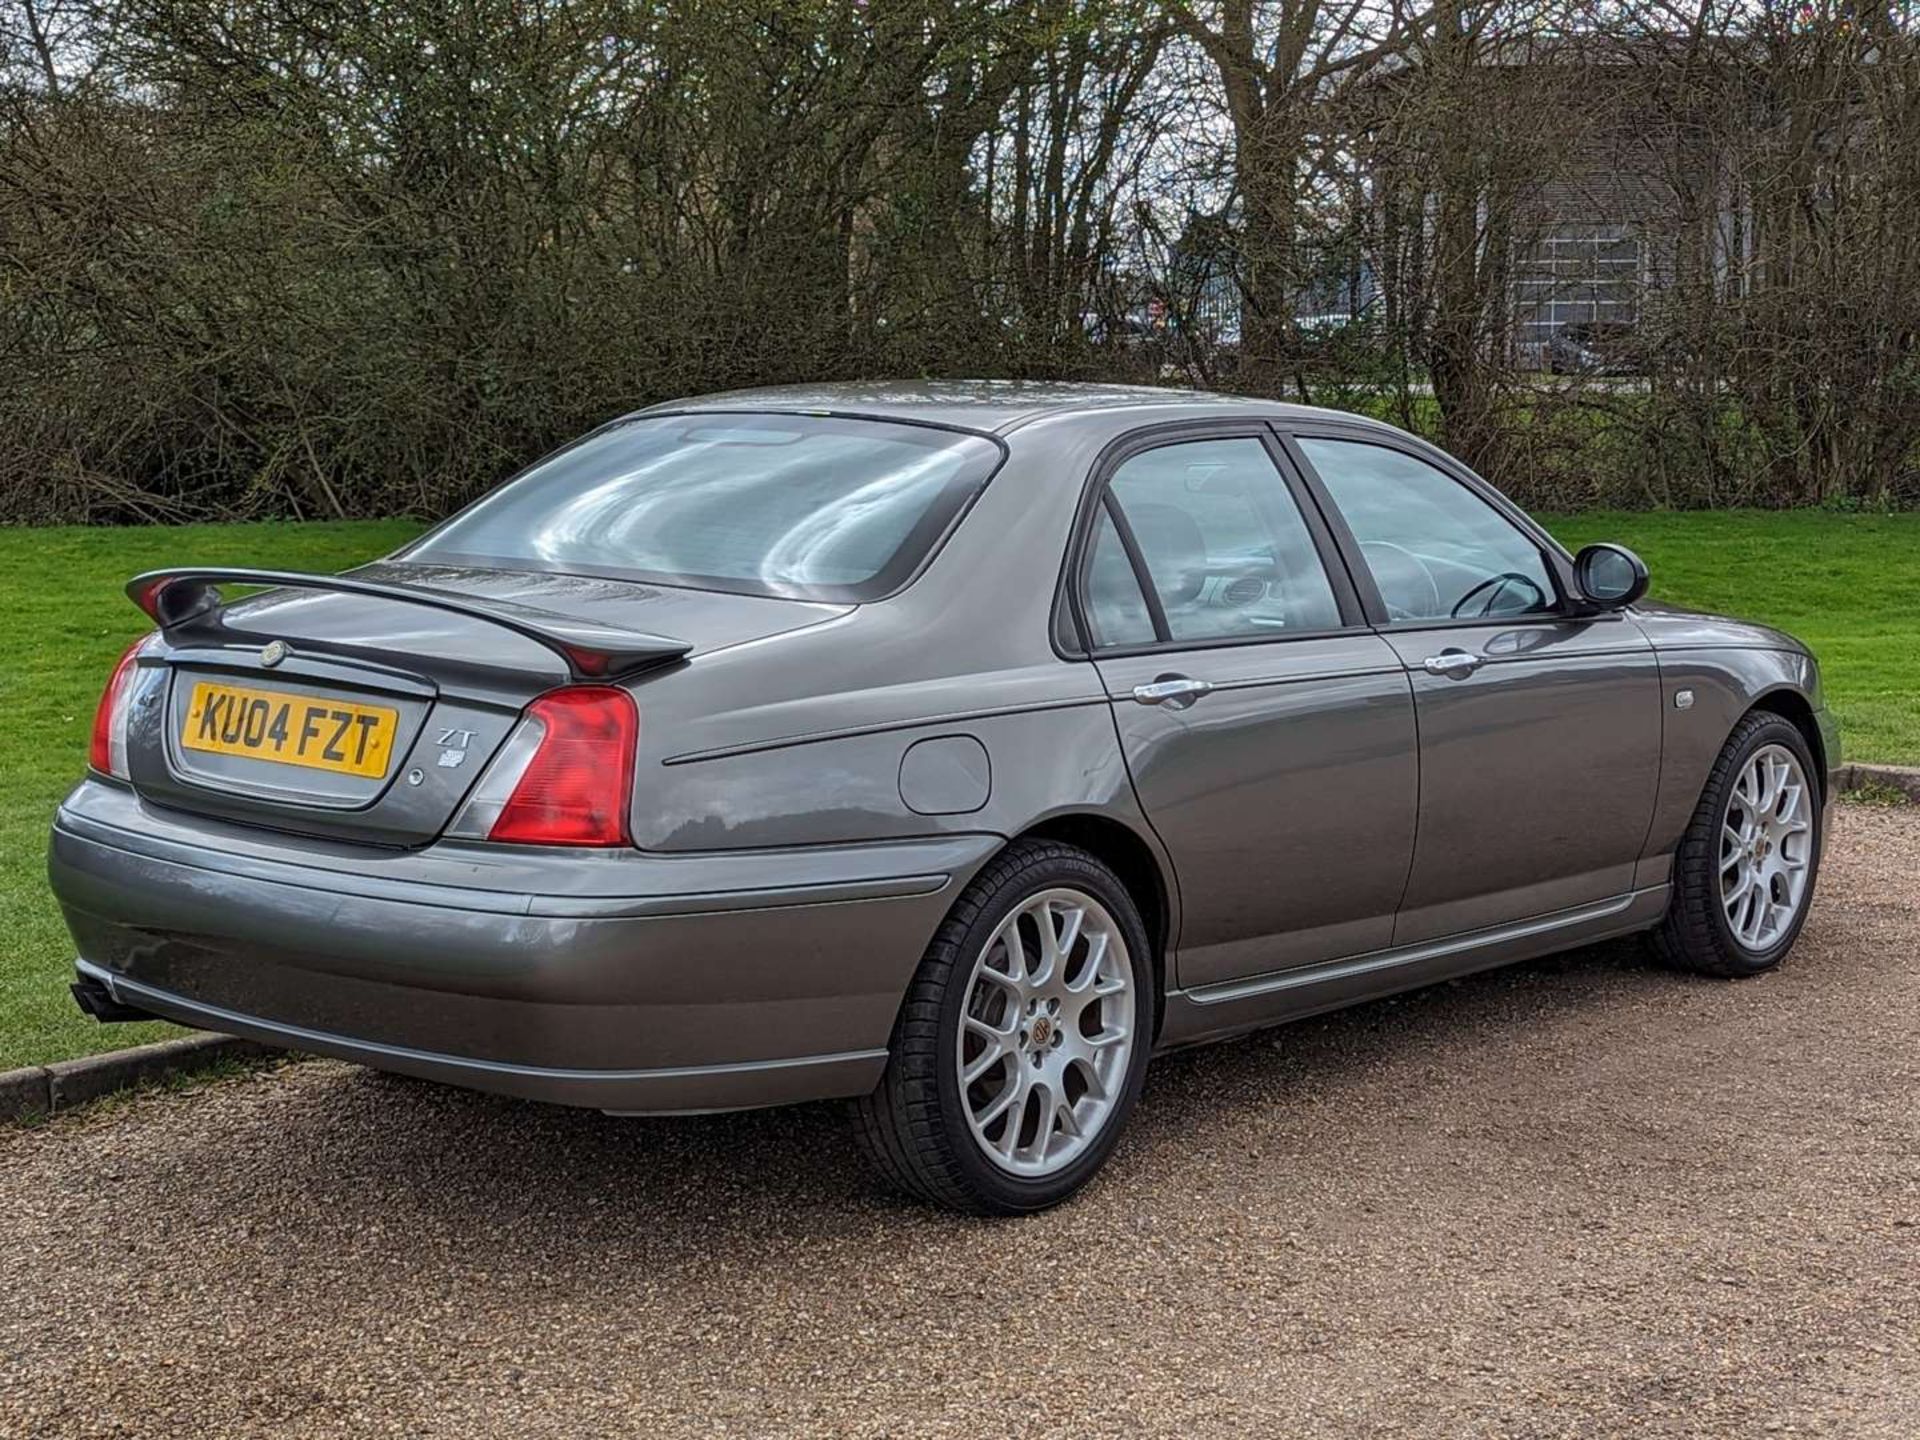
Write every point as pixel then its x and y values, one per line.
pixel 1136 327
pixel 945 748
pixel 1595 347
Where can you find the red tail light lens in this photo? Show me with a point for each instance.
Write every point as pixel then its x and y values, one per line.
pixel 108 752
pixel 576 788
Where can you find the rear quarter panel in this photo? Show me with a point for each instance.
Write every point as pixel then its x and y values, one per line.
pixel 800 739
pixel 838 789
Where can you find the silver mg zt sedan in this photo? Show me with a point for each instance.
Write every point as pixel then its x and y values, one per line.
pixel 947 749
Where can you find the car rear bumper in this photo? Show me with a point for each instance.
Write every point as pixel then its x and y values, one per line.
pixel 659 1090
pixel 626 981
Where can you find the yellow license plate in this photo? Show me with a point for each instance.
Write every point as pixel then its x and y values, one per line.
pixel 306 730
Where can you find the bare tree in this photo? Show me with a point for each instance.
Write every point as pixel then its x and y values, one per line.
pixel 269 257
pixel 1277 64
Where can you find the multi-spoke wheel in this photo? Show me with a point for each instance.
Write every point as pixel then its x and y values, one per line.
pixel 1766 848
pixel 1023 1039
pixel 1046 1033
pixel 1744 873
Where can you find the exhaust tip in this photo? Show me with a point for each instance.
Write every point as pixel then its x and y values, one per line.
pixel 94 998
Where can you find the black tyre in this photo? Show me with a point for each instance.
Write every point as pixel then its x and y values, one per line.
pixel 1021 1045
pixel 1743 877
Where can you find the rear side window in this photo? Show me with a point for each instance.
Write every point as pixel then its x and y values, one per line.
pixel 1226 551
pixel 805 506
pixel 1116 609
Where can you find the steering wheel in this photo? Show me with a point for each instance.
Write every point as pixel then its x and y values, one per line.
pixel 1403 567
pixel 1497 585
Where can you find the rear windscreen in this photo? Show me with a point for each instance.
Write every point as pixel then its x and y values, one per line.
pixel 808 506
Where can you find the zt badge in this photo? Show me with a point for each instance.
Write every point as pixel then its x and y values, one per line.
pixel 453 748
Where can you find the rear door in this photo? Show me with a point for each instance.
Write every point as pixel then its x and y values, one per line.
pixel 1269 732
pixel 1539 726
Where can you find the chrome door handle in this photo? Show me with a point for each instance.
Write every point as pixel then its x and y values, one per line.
pixel 1452 662
pixel 1175 690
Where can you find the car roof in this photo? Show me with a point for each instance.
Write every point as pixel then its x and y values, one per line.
pixel 991 406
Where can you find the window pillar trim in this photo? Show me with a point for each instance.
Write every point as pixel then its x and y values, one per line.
pixel 1149 592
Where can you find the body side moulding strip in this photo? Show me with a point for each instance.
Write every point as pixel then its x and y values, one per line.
pixel 1382 960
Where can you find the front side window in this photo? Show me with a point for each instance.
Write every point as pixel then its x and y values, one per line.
pixel 1436 550
pixel 1226 551
pixel 807 506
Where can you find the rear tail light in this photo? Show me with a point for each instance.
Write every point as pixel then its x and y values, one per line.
pixel 565 775
pixel 108 753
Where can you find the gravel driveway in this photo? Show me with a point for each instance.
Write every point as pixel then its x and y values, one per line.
pixel 1581 1197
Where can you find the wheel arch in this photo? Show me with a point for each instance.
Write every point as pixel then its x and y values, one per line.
pixel 1131 857
pixel 1792 706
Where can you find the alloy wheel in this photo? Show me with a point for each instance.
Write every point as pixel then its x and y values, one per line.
pixel 1046 1033
pixel 1766 848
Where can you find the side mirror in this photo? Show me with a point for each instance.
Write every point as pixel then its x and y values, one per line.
pixel 1610 577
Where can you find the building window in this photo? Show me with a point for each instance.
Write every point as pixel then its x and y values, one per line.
pixel 1578 274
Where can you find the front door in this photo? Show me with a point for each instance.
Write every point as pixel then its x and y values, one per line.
pixel 1269 731
pixel 1539 725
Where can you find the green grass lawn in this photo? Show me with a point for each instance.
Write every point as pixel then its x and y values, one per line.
pixel 1849 585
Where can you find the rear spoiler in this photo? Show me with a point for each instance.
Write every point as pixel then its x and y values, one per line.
pixel 590 652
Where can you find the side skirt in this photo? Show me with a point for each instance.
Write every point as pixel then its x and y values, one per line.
pixel 1214 1012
